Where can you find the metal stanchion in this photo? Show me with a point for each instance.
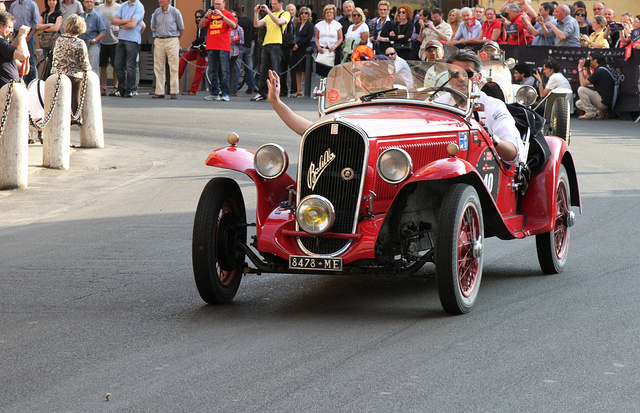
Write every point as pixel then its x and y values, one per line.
pixel 308 72
pixel 14 137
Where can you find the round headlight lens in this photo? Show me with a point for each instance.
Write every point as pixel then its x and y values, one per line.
pixel 315 214
pixel 526 95
pixel 394 165
pixel 270 161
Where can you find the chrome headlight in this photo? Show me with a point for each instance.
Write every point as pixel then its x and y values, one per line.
pixel 315 214
pixel 526 95
pixel 270 161
pixel 394 165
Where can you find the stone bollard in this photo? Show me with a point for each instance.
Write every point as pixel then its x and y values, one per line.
pixel 57 133
pixel 92 131
pixel 14 142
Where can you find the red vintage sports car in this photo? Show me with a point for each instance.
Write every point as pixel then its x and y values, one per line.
pixel 397 172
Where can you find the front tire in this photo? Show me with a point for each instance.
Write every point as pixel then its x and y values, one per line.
pixel 553 246
pixel 459 239
pixel 219 225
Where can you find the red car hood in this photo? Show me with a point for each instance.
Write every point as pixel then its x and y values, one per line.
pixel 393 120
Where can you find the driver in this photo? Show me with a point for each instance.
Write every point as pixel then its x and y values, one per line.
pixel 494 116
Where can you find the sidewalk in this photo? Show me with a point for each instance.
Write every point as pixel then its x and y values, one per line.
pixel 35 158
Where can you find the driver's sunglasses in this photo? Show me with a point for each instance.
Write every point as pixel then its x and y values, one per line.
pixel 470 73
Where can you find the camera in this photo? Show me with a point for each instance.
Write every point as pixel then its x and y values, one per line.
pixel 505 15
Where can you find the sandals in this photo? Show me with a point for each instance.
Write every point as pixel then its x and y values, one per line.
pixel 297 95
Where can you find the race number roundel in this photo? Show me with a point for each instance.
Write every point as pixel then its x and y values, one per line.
pixel 489 170
pixel 333 95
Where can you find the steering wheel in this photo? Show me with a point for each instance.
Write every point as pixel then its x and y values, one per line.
pixel 429 91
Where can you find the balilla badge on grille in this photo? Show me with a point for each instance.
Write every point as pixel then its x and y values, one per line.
pixel 313 175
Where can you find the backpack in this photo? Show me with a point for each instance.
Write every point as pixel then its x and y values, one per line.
pixel 616 81
pixel 288 35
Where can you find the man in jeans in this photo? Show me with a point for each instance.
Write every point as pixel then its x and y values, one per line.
pixel 219 23
pixel 129 20
pixel 96 30
pixel 271 52
pixel 245 56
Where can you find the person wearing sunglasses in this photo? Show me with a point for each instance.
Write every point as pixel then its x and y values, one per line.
pixel 357 34
pixel 585 28
pixel 494 115
pixel 402 33
pixel 403 71
pixel 382 27
pixel 197 51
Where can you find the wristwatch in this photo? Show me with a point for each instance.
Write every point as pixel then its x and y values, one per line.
pixel 496 140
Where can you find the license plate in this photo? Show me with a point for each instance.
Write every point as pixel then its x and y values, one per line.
pixel 315 263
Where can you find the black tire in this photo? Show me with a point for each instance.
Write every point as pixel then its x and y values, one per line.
pixel 220 223
pixel 459 238
pixel 559 122
pixel 553 246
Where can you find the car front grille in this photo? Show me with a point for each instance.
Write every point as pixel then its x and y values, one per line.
pixel 333 165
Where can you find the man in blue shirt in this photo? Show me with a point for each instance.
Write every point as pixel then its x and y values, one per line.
pixel 468 29
pixel 26 13
pixel 567 31
pixel 543 35
pixel 96 30
pixel 129 20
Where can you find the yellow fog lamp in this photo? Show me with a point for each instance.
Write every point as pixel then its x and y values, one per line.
pixel 315 214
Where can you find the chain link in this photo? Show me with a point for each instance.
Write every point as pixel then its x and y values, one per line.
pixel 41 124
pixel 7 105
pixel 78 113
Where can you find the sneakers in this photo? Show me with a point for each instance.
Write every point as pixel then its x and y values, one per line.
pixel 116 93
pixel 225 98
pixel 257 98
pixel 128 94
pixel 103 91
pixel 212 97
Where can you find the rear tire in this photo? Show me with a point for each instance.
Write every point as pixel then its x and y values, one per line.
pixel 459 238
pixel 219 225
pixel 559 122
pixel 553 246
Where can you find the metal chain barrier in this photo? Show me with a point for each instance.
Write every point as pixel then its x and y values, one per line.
pixel 7 105
pixel 42 123
pixel 76 116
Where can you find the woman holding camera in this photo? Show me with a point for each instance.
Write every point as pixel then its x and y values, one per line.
pixel 596 40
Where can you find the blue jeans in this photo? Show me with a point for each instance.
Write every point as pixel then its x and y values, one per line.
pixel 270 58
pixel 218 61
pixel 234 65
pixel 125 65
pixel 246 58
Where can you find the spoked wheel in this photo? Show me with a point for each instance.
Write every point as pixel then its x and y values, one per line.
pixel 459 239
pixel 553 246
pixel 558 125
pixel 220 224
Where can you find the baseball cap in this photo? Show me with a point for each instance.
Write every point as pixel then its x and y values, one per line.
pixel 434 43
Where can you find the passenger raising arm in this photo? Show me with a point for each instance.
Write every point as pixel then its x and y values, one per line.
pixel 295 122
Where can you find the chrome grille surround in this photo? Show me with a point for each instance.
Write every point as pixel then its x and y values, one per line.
pixel 345 195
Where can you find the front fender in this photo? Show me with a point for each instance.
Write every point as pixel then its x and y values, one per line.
pixel 270 192
pixel 434 179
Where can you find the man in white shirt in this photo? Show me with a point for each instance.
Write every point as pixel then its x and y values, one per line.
pixel 403 72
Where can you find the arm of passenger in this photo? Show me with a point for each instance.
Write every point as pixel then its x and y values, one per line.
pixel 295 122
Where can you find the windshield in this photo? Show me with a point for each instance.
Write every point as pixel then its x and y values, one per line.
pixel 426 82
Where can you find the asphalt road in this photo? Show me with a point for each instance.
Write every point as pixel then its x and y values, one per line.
pixel 97 293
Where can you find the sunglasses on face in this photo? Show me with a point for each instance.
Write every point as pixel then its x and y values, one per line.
pixel 198 17
pixel 355 15
pixel 304 12
pixel 389 54
pixel 402 12
pixel 581 15
pixel 470 73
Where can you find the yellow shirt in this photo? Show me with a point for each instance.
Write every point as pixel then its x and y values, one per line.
pixel 598 38
pixel 274 32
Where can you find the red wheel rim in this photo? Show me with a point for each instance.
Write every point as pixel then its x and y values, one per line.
pixel 561 230
pixel 469 237
pixel 225 277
